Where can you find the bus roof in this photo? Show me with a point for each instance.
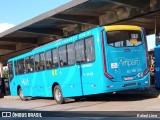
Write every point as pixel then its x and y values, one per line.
pixel 122 27
pixel 47 44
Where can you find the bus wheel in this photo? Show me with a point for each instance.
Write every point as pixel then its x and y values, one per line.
pixel 20 93
pixel 77 99
pixel 58 95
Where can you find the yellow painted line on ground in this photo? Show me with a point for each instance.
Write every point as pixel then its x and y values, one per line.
pixel 11 97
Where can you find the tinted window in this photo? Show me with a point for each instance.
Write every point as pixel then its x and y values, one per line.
pixel 89 48
pixel 20 66
pixel 124 38
pixel 29 64
pixel 62 56
pixel 55 58
pixel 16 67
pixel 42 61
pixel 48 59
pixel 71 54
pixel 10 71
pixel 79 49
pixel 37 62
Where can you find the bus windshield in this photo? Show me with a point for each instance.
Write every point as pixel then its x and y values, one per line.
pixel 124 38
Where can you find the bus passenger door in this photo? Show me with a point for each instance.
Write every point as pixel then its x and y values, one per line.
pixel 85 56
pixel 68 74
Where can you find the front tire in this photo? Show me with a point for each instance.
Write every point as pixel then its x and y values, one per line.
pixel 20 93
pixel 58 95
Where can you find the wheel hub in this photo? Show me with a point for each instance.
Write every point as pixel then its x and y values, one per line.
pixel 58 95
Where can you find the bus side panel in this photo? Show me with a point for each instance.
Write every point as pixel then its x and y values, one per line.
pixel 31 84
pixel 92 72
pixel 40 83
pixel 69 80
pixel 13 87
pixel 157 65
pixel 14 83
pixel 24 82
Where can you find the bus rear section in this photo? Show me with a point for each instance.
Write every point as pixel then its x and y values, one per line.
pixel 125 58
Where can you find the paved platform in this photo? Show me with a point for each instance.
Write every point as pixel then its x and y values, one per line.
pixel 148 91
pixel 11 97
pixel 151 92
pixel 94 103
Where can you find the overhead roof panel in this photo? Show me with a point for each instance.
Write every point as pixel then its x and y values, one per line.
pixel 80 15
pixel 90 12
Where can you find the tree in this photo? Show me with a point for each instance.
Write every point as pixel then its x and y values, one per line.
pixel 5 74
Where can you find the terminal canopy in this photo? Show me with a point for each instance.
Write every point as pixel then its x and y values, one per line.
pixel 75 17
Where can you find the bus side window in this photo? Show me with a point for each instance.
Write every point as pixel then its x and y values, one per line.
pixel 29 64
pixel 48 59
pixel 10 71
pixel 63 55
pixel 55 58
pixel 16 67
pixel 79 49
pixel 89 49
pixel 31 61
pixel 37 62
pixel 71 54
pixel 42 61
pixel 21 66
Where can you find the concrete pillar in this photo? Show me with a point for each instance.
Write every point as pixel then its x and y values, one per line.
pixel 157 36
pixel 157 33
pixel 20 46
pixel 1 70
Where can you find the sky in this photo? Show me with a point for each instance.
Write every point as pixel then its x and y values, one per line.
pixel 151 41
pixel 14 12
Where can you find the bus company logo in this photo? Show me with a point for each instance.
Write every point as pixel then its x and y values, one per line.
pixel 54 72
pixel 25 81
pixel 128 62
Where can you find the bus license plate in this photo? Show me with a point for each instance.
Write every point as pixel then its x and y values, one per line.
pixel 130 84
pixel 128 78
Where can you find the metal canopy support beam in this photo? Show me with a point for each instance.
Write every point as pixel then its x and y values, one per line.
pixel 1 70
pixel 84 19
pixel 46 15
pixel 149 31
pixel 19 40
pixel 5 57
pixel 130 18
pixel 146 24
pixel 69 21
pixel 142 5
pixel 8 47
pixel 48 31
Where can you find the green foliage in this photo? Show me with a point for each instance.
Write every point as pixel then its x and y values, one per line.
pixel 5 73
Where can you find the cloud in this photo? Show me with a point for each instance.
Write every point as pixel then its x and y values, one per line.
pixel 5 26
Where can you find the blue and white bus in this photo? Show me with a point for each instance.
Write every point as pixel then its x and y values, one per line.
pixel 101 60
